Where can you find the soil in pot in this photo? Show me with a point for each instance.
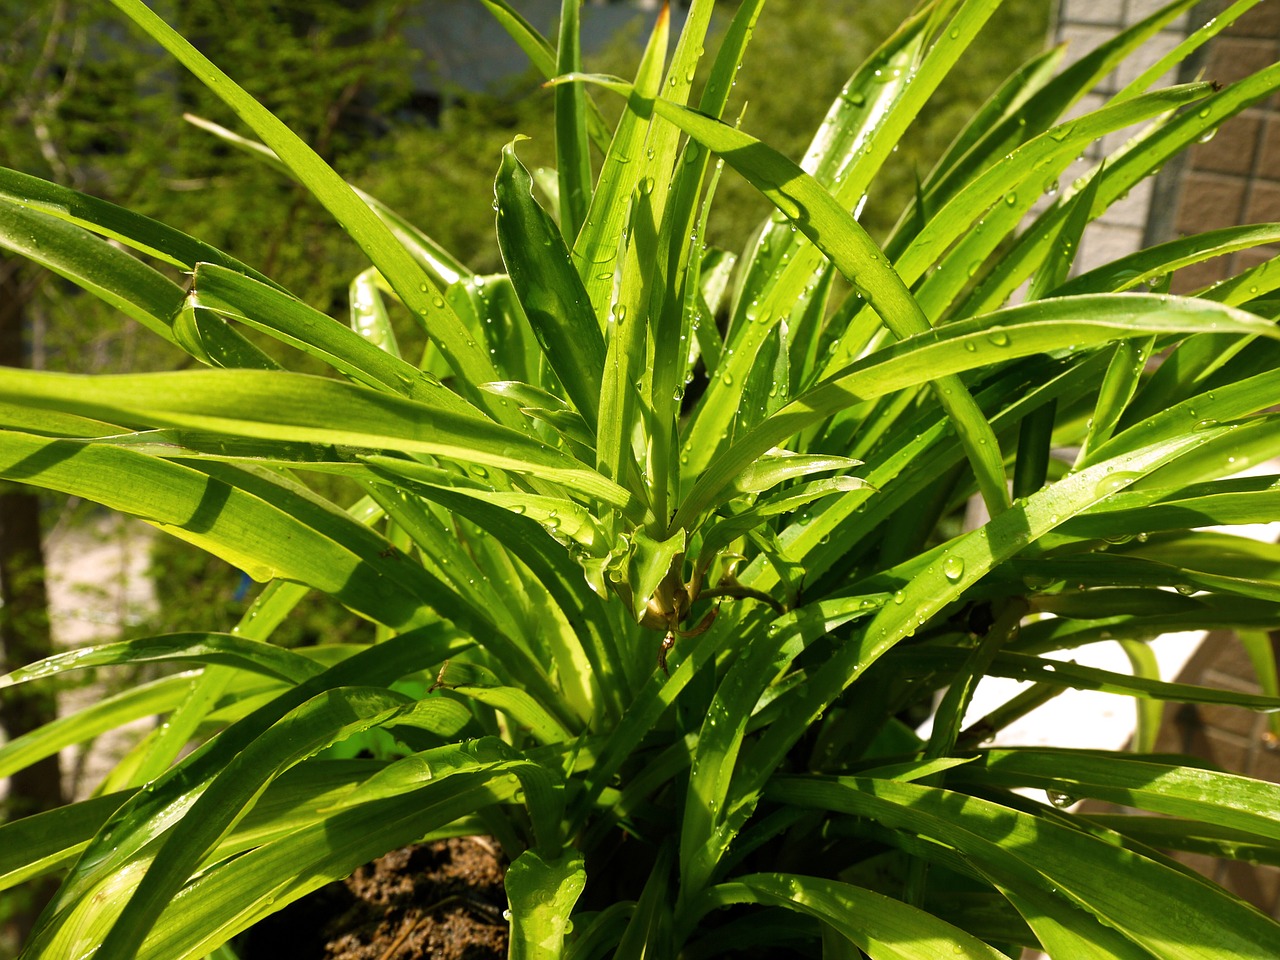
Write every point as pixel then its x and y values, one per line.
pixel 441 900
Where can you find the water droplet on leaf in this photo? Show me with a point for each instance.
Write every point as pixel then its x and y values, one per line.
pixel 953 568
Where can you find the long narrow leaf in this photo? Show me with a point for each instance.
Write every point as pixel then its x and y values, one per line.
pixel 549 288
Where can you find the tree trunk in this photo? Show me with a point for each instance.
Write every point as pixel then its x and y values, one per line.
pixel 24 608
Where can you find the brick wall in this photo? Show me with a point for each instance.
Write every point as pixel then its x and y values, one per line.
pixel 1232 179
pixel 1235 177
pixel 1082 25
pixel 1233 739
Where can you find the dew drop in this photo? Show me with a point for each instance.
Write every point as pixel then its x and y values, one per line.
pixel 1058 799
pixel 998 339
pixel 1114 483
pixel 899 597
pixel 788 206
pixel 953 568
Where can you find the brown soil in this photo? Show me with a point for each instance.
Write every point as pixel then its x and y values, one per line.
pixel 437 901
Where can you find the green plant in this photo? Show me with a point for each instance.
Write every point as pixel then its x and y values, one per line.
pixel 606 606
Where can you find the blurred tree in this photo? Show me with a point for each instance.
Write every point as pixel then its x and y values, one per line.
pixel 24 616
pixel 85 102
